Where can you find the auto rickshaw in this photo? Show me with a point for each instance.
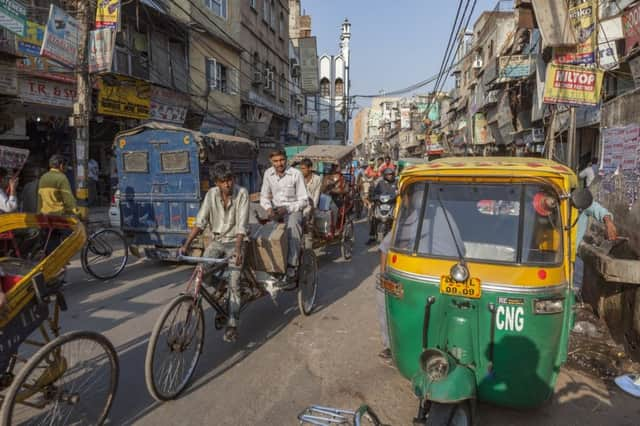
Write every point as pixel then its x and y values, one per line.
pixel 478 288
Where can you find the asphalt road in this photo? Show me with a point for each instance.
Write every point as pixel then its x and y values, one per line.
pixel 284 362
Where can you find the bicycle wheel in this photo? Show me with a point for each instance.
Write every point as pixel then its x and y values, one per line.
pixel 348 240
pixel 70 381
pixel 105 254
pixel 174 348
pixel 308 283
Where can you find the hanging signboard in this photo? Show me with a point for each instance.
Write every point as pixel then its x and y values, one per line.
pixel 608 56
pixel 45 92
pixel 13 16
pixel 108 14
pixel 61 37
pixel 480 129
pixel 309 65
pixel 631 25
pixel 101 45
pixel 515 67
pixel 29 47
pixel 122 96
pixel 31 43
pixel 572 85
pixel 168 106
pixel 405 118
pixel 610 30
pixel 13 158
pixel 583 19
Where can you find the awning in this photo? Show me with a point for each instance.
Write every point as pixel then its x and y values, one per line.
pixel 326 153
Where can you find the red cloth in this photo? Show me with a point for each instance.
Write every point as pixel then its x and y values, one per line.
pixel 371 172
pixel 386 166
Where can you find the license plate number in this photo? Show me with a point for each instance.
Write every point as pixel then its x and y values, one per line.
pixel 470 289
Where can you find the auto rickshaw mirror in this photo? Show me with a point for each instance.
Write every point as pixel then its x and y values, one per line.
pixel 581 199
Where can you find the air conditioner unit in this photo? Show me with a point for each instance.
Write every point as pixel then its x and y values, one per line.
pixel 477 64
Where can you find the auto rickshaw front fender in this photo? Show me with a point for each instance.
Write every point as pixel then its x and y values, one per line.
pixel 459 385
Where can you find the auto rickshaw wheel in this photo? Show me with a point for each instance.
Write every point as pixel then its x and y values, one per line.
pixel 348 240
pixel 457 414
pixel 307 282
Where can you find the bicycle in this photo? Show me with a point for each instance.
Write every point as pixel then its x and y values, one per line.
pixel 180 330
pixel 70 378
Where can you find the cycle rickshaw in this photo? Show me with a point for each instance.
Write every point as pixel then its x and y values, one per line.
pixel 64 378
pixel 333 224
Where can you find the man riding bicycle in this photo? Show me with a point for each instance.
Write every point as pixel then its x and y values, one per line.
pixel 284 196
pixel 225 210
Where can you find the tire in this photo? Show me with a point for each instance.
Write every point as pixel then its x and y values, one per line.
pixel 348 240
pixel 76 388
pixel 308 283
pixel 152 366
pixel 458 414
pixel 105 254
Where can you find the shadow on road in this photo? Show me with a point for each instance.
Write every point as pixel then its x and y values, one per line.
pixel 260 322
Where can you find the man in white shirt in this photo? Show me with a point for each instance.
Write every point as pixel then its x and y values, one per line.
pixel 589 173
pixel 8 201
pixel 284 195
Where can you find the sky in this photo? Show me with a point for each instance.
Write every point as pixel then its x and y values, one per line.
pixel 395 43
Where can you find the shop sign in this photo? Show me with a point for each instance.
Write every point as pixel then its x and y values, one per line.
pixel 45 92
pixel 583 20
pixel 537 135
pixel 122 96
pixel 101 45
pixel 480 129
pixel 8 79
pixel 13 16
pixel 608 56
pixel 13 158
pixel 168 106
pixel 620 148
pixel 61 37
pixel 572 85
pixel 309 65
pixel 31 43
pixel 108 14
pixel 515 67
pixel 32 63
pixel 631 24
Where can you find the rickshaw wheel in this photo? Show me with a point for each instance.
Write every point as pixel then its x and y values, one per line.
pixel 308 282
pixel 458 414
pixel 181 326
pixel 70 380
pixel 348 240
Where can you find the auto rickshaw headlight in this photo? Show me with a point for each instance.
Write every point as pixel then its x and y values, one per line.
pixel 548 306
pixel 435 364
pixel 459 272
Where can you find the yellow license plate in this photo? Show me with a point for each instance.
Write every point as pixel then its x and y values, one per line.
pixel 470 289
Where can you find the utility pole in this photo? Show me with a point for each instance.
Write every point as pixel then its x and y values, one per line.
pixel 571 143
pixel 82 107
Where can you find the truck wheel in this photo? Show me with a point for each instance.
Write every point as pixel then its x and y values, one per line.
pixel 458 414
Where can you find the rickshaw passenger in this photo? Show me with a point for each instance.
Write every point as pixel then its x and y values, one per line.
pixel 284 194
pixel 225 210
pixel 313 183
pixel 8 202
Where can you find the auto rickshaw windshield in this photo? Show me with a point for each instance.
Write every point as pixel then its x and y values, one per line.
pixel 502 223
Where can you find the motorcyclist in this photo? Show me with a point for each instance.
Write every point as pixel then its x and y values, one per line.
pixel 384 186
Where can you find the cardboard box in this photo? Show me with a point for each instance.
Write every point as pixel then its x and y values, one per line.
pixel 268 248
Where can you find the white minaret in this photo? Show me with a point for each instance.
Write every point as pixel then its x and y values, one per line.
pixel 345 50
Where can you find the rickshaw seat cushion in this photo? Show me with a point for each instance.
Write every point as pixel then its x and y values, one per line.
pixel 12 271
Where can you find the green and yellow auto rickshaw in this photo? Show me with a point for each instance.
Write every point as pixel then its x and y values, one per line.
pixel 478 282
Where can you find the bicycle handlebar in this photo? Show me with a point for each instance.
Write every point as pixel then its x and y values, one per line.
pixel 207 260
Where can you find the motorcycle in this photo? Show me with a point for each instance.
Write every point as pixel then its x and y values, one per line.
pixel 384 207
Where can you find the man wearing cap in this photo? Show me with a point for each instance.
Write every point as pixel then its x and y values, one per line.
pixel 386 185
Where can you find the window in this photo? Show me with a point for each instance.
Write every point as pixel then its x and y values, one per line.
pixel 257 74
pixel 283 87
pixel 266 10
pixel 323 129
pixel 281 29
pixel 339 87
pixel 217 75
pixel 219 7
pixel 272 15
pixel 175 162
pixel 340 130
pixel 252 3
pixel 487 222
pixel 325 87
pixel 268 78
pixel 136 162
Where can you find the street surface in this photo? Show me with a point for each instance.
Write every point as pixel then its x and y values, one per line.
pixel 284 362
